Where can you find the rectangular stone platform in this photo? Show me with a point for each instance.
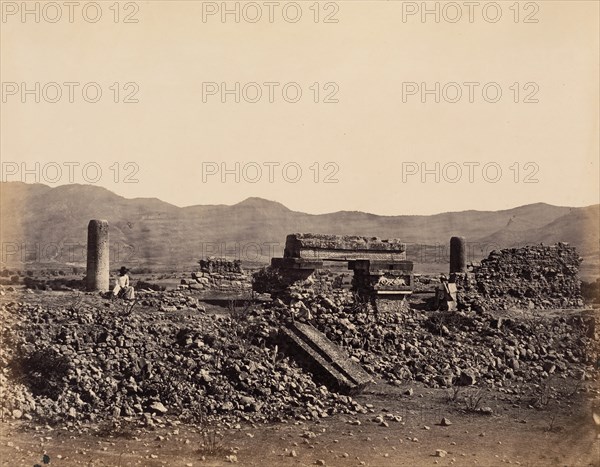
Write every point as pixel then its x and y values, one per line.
pixel 327 361
pixel 343 247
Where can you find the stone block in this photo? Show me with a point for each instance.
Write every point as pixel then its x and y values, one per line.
pixel 327 361
pixel 343 247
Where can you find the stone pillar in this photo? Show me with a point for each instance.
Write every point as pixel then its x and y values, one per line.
pixel 98 274
pixel 458 254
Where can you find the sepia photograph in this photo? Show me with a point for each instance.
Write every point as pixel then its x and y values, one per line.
pixel 299 233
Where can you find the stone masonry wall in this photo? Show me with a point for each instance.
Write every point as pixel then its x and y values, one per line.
pixel 219 274
pixel 537 276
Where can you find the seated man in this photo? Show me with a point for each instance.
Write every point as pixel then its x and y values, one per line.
pixel 122 288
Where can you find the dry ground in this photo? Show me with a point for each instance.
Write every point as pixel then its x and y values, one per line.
pixel 556 435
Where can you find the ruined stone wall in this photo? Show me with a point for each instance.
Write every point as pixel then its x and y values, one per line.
pixel 220 265
pixel 537 276
pixel 219 274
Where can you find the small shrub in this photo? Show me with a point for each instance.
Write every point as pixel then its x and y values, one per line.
pixel 473 401
pixel 212 443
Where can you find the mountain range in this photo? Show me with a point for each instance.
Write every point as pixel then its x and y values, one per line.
pixel 39 221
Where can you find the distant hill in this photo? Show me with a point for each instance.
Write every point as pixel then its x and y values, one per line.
pixel 570 227
pixel 36 215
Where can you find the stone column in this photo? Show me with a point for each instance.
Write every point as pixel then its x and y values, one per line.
pixel 458 254
pixel 98 274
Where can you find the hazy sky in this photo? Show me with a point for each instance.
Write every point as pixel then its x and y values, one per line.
pixel 373 143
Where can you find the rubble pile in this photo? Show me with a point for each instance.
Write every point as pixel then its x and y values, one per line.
pixel 465 347
pixel 321 283
pixel 442 349
pixel 91 362
pixel 218 274
pixel 170 300
pixel 320 293
pixel 537 277
pixel 471 346
pixel 165 356
pixel 53 284
pixel 292 290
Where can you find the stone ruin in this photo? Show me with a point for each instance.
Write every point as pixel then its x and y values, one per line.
pixel 221 274
pixel 380 266
pixel 531 277
pixel 476 348
pixel 380 269
pixel 220 265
